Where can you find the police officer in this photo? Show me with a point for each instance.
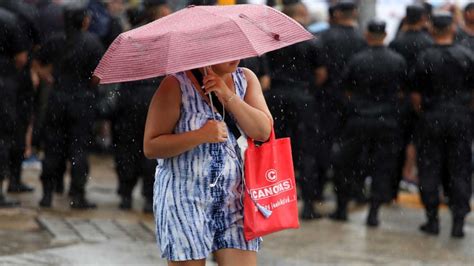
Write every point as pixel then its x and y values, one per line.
pixel 414 39
pixel 128 109
pixel 443 76
pixel 290 99
pixel 409 43
pixel 339 43
pixel 128 114
pixel 372 79
pixel 27 23
pixel 13 57
pixel 71 106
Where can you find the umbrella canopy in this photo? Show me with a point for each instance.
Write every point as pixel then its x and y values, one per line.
pixel 197 36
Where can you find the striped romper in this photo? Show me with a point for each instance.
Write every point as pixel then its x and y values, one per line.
pixel 197 194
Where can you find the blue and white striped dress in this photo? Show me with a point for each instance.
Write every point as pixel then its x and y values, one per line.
pixel 193 217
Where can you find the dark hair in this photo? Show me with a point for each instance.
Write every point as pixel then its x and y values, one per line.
pixel 469 7
pixel 74 19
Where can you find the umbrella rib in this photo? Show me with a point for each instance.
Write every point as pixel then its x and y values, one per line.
pixel 233 21
pixel 168 50
pixel 251 44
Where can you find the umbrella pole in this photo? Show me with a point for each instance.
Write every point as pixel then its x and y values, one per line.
pixel 210 98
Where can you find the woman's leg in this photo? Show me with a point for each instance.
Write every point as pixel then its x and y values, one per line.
pixel 187 263
pixel 237 257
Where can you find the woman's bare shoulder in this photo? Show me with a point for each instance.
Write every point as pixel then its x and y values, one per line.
pixel 248 73
pixel 169 82
pixel 169 90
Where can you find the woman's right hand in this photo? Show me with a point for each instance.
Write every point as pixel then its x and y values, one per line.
pixel 214 131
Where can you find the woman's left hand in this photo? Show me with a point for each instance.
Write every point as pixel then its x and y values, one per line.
pixel 214 83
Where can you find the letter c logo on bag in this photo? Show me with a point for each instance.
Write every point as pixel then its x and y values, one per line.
pixel 271 175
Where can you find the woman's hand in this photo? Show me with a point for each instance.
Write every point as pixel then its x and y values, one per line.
pixel 214 132
pixel 214 83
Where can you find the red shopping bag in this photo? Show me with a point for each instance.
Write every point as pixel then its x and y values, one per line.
pixel 270 202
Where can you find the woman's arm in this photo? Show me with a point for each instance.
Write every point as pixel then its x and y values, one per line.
pixel 252 113
pixel 163 114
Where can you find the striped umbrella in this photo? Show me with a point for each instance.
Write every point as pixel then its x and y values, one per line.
pixel 195 37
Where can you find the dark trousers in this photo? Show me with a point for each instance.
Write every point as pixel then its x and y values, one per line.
pixel 288 106
pixel 131 164
pixel 18 149
pixel 68 128
pixel 292 110
pixel 316 147
pixel 5 147
pixel 407 123
pixel 379 141
pixel 444 152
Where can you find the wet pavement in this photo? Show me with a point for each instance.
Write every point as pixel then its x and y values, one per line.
pixel 108 236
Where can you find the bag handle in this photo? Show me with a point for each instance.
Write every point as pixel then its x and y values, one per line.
pixel 251 143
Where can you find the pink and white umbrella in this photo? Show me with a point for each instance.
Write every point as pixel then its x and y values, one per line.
pixel 195 37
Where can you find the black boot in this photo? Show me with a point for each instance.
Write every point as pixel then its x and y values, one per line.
pixel 7 202
pixel 457 229
pixel 19 187
pixel 341 212
pixel 126 203
pixel 80 202
pixel 308 211
pixel 372 218
pixel 431 227
pixel 47 199
pixel 148 207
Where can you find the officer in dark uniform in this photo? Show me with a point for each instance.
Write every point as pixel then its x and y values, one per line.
pixel 72 57
pixel 339 43
pixel 27 23
pixel 290 99
pixel 443 76
pixel 13 57
pixel 409 43
pixel 25 107
pixel 372 79
pixel 414 39
pixel 129 107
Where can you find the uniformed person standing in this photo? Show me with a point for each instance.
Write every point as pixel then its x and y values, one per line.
pixel 128 114
pixel 372 80
pixel 443 76
pixel 27 23
pixel 291 98
pixel 71 57
pixel 130 107
pixel 339 43
pixel 409 43
pixel 13 57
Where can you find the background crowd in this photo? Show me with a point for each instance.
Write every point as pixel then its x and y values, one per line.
pixel 355 107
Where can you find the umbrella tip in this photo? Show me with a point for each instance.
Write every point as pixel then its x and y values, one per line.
pixel 276 36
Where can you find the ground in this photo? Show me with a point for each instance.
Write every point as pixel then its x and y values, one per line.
pixel 108 236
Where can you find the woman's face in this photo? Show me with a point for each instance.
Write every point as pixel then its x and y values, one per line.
pixel 228 67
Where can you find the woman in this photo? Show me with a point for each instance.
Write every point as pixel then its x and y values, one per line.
pixel 198 182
